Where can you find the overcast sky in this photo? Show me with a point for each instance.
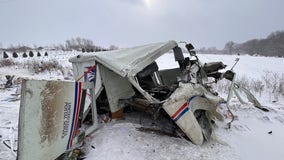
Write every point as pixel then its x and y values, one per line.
pixel 125 23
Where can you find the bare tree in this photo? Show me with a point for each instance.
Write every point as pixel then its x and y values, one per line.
pixel 272 45
pixel 113 47
pixel 229 47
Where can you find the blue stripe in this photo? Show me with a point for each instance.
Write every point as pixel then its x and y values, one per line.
pixel 74 112
pixel 191 98
pixel 222 102
pixel 181 114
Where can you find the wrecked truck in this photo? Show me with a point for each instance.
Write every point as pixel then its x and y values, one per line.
pixel 56 116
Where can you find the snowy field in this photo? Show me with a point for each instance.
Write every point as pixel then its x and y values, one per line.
pixel 255 135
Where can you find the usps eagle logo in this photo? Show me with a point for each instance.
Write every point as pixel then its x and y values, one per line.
pixel 90 75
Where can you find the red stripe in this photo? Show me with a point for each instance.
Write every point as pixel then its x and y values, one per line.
pixel 179 110
pixel 77 111
pixel 70 144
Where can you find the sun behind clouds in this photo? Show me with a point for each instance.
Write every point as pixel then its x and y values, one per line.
pixel 148 3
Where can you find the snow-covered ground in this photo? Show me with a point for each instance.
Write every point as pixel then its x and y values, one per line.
pixel 253 67
pixel 248 138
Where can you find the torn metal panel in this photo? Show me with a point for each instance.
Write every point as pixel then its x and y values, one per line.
pixel 48 118
pixel 181 114
pixel 116 87
pixel 237 88
pixel 184 102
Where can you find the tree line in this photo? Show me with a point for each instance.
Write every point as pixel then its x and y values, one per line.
pixel 272 45
pixel 77 44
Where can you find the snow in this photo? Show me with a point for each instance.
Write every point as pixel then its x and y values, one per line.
pixel 8 121
pixel 250 66
pixel 248 138
pixel 123 141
